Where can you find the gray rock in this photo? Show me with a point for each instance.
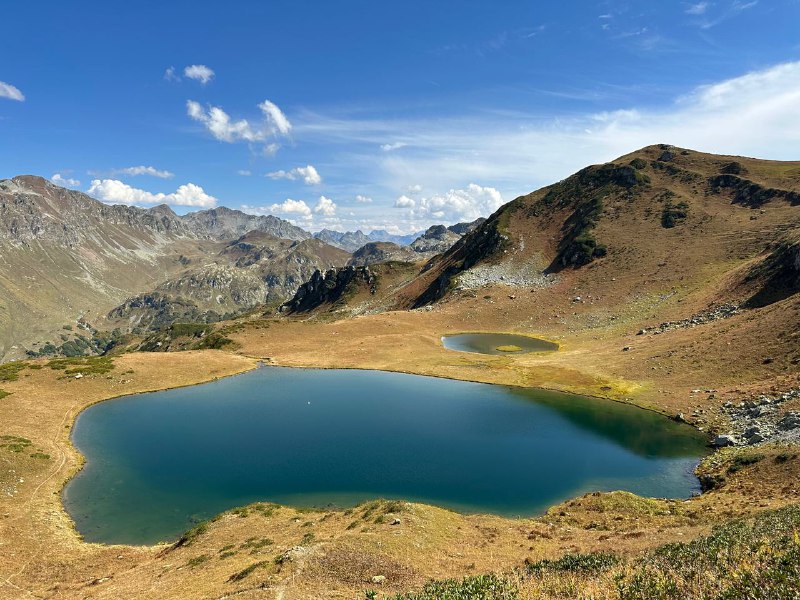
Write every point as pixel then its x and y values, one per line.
pixel 721 441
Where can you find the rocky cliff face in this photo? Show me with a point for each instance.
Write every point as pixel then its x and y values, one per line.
pixel 33 209
pixel 256 269
pixel 329 288
pixel 439 238
pixel 778 275
pixel 226 224
pixel 381 252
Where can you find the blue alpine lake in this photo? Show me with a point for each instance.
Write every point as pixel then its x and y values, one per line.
pixel 157 463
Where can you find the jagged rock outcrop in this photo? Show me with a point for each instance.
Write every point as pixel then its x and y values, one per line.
pixel 778 275
pixel 435 240
pixel 749 193
pixel 328 288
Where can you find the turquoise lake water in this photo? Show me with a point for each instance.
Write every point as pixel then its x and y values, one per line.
pixel 158 463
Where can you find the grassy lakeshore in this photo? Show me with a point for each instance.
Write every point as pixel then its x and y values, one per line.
pixel 271 551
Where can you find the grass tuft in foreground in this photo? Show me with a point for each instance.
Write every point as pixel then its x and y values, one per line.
pixel 747 558
pixel 591 563
pixel 477 587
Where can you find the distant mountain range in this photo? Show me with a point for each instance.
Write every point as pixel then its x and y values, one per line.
pixel 353 240
pixel 65 257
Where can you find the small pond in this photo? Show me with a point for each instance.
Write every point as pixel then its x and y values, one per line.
pixel 158 463
pixel 497 343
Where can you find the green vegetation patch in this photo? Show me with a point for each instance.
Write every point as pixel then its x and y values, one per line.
pixel 87 365
pixel 477 587
pixel 4 393
pixel 674 214
pixel 508 348
pixel 745 558
pixel 255 544
pixel 10 371
pixel 189 329
pixel 239 575
pixel 592 563
pixel 198 560
pixel 191 536
pixel 14 443
pixel 213 341
pixel 744 460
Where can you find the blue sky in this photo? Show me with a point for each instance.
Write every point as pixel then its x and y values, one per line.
pixel 395 115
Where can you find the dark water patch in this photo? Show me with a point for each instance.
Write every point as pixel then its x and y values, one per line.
pixel 497 343
pixel 158 462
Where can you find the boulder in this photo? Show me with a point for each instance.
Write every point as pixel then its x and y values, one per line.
pixel 721 441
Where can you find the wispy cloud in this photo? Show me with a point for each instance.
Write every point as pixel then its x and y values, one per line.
pixel 171 75
pixel 114 191
pixel 11 92
pixel 225 129
pixel 756 114
pixel 393 146
pixel 143 170
pixel 730 11
pixel 697 9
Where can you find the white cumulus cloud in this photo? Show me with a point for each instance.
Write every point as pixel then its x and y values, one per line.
pixel 9 91
pixel 59 179
pixel 292 207
pixel 244 172
pixel 114 191
pixel 308 174
pixel 455 205
pixel 363 199
pixel 326 207
pixel 405 202
pixel 199 73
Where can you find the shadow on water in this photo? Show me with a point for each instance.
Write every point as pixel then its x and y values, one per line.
pixel 643 432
